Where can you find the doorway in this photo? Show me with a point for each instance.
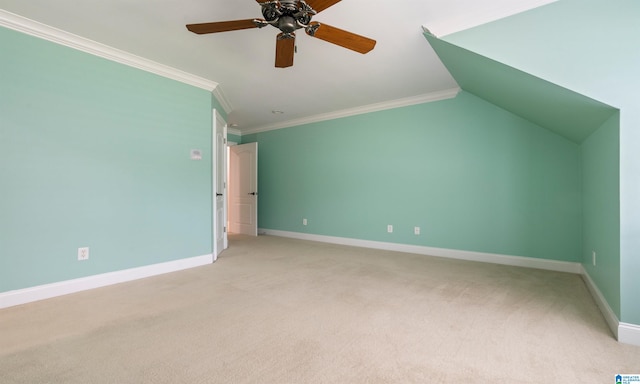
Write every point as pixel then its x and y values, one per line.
pixel 243 189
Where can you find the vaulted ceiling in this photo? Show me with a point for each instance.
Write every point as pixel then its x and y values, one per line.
pixel 325 79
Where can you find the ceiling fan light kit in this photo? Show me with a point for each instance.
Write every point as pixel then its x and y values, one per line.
pixel 289 16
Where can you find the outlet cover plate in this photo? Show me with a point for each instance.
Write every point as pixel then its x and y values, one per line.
pixel 83 253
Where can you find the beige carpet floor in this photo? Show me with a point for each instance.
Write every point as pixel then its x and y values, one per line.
pixel 275 310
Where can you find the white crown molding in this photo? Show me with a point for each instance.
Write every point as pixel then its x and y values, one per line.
pixel 405 102
pixel 222 99
pixel 47 291
pixel 58 36
pixel 234 131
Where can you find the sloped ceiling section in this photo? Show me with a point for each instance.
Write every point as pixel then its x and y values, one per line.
pixel 567 113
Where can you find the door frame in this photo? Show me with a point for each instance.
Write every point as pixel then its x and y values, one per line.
pixel 218 120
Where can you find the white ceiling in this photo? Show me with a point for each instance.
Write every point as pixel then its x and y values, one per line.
pixel 324 79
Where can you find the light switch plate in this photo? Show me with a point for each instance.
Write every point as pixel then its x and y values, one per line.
pixel 196 154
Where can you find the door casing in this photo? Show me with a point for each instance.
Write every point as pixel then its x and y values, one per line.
pixel 219 188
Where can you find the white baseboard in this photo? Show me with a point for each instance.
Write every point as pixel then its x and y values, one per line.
pixel 41 292
pixel 624 332
pixel 609 316
pixel 527 262
pixel 629 334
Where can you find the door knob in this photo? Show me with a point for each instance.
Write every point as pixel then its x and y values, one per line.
pixel 218 194
pixel 252 193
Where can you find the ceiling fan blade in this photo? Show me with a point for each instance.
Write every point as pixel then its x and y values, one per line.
pixel 341 37
pixel 285 48
pixel 221 26
pixel 321 5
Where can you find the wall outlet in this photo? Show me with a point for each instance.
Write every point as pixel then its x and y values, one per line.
pixel 593 258
pixel 390 228
pixel 416 230
pixel 83 253
pixel 304 221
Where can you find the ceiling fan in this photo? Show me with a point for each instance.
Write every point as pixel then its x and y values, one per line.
pixel 289 16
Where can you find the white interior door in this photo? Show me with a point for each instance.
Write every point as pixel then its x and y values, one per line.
pixel 219 184
pixel 243 189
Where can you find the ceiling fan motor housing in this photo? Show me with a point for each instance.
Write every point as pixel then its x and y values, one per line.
pixel 287 24
pixel 287 15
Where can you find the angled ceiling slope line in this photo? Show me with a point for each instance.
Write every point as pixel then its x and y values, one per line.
pixel 563 111
pixel 58 36
pixel 458 17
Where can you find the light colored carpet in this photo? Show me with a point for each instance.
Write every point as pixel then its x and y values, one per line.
pixel 275 310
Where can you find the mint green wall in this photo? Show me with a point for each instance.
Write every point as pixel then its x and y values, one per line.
pixel 584 45
pixel 471 175
pixel 234 138
pixel 249 138
pixel 216 105
pixel 96 154
pixel 601 209
pixel 544 103
pixel 589 46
